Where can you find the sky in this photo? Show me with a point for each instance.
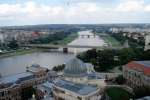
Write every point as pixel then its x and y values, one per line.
pixel 31 12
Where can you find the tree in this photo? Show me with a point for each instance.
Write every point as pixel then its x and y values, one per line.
pixel 58 68
pixel 27 93
pixel 126 55
pixel 13 44
pixel 142 91
pixel 104 60
pixel 120 79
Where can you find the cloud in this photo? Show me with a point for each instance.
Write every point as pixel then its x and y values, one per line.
pixel 130 6
pixel 147 8
pixel 8 10
pixel 32 12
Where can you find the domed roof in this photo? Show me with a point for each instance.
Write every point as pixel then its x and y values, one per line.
pixel 75 68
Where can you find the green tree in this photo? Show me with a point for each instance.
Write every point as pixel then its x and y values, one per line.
pixel 13 44
pixel 120 79
pixel 27 93
pixel 58 68
pixel 126 55
pixel 142 91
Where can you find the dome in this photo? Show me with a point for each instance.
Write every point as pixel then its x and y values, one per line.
pixel 75 68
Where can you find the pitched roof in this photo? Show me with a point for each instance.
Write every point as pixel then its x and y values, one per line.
pixel 143 66
pixel 11 79
pixel 75 68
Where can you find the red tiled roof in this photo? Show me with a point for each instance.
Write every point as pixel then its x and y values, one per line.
pixel 35 34
pixel 137 66
pixel 147 71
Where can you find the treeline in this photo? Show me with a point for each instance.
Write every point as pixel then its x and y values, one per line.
pixel 11 45
pixel 51 37
pixel 58 68
pixel 132 42
pixel 104 60
pixel 55 33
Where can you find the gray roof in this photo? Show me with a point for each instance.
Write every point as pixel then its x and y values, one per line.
pixel 94 76
pixel 75 68
pixel 81 89
pixel 45 86
pixel 145 63
pixel 35 68
pixel 16 78
pixel 144 98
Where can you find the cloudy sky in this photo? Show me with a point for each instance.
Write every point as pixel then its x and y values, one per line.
pixel 27 12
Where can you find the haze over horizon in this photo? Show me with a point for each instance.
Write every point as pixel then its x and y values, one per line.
pixel 31 12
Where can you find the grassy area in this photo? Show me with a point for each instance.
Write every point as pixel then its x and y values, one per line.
pixel 68 39
pixel 116 93
pixel 17 52
pixel 109 39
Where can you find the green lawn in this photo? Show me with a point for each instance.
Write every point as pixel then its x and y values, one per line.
pixel 116 93
pixel 68 39
pixel 109 39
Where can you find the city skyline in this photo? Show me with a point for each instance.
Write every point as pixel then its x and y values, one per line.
pixel 30 12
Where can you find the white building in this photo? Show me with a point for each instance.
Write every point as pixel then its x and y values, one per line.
pixel 147 42
pixel 137 73
pixel 79 82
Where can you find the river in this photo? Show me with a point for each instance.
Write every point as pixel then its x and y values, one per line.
pixel 84 40
pixel 17 64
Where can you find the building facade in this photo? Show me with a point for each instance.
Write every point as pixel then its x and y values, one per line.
pixel 12 86
pixel 137 73
pixel 79 82
pixel 67 90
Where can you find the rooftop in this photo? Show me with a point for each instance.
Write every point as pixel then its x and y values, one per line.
pixel 95 76
pixel 144 98
pixel 144 63
pixel 47 88
pixel 11 79
pixel 75 68
pixel 81 89
pixel 140 66
pixel 35 68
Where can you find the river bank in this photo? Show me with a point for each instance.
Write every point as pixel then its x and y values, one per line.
pixel 18 52
pixel 17 61
pixel 67 40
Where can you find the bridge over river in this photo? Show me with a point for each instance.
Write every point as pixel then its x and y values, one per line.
pixel 65 47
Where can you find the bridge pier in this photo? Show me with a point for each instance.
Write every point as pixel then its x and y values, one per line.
pixel 87 36
pixel 65 50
